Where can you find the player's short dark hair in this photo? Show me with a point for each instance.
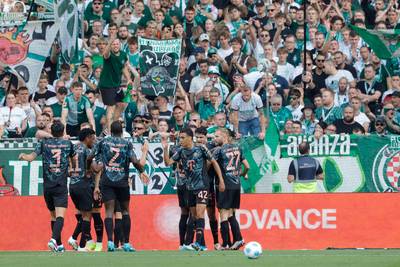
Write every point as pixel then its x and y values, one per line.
pixel 57 128
pixel 201 130
pixel 116 128
pixel 304 148
pixel 84 133
pixel 187 131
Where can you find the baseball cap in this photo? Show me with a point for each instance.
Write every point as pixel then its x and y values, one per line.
pixel 212 51
pixel 307 106
pixel 204 37
pixel 260 3
pixel 213 70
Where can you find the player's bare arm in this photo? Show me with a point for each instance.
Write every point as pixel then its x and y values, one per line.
pixel 246 168
pixel 27 157
pixel 217 169
pixel 168 161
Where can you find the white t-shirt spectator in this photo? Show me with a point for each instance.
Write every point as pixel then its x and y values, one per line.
pixel 251 78
pixel 224 52
pixel 247 110
pixel 361 118
pixel 197 84
pixel 13 117
pixel 286 71
pixel 296 113
pixel 332 81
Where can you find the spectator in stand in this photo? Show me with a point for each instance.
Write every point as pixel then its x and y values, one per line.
pixel 30 107
pixel 380 126
pixel 65 76
pixel 332 81
pixel 296 106
pixel 308 119
pixel 57 107
pixel 162 103
pixel 99 111
pixel 328 113
pixel 280 115
pixel 297 127
pixel 76 110
pixel 359 116
pixel 330 129
pixel 40 125
pixel 15 119
pixel 371 90
pixel 115 64
pixel 247 113
pixel 44 91
pixel 347 125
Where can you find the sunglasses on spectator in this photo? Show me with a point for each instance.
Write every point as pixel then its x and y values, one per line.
pixel 271 10
pixel 264 35
pixel 320 60
pixel 139 128
pixel 379 124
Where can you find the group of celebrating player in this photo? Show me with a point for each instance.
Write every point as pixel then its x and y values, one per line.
pixel 207 173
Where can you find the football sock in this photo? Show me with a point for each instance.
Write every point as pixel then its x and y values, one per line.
pixel 85 233
pixel 78 227
pixel 126 227
pixel 98 226
pixel 118 232
pixel 199 230
pixel 108 223
pixel 189 231
pixel 214 230
pixel 58 225
pixel 237 236
pixel 182 228
pixel 225 233
pixel 52 225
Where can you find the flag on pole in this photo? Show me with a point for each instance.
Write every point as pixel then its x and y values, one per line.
pixel 67 15
pixel 159 66
pixel 384 43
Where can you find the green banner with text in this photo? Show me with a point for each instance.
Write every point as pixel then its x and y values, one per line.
pixel 351 164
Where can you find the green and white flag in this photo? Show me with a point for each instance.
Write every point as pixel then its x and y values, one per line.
pixel 67 15
pixel 159 65
pixel 384 43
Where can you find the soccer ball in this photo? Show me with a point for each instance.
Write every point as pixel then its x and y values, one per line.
pixel 253 250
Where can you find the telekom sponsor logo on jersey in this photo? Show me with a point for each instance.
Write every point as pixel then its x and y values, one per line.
pixel 287 219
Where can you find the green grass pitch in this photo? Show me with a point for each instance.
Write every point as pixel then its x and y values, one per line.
pixel 336 258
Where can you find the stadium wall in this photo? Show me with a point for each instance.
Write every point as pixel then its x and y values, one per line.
pixel 277 221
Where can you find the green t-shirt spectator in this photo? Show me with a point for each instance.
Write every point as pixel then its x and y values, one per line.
pixel 98 61
pixel 280 117
pixel 31 132
pixel 110 76
pixel 206 109
pixel 130 112
pixel 147 17
pixel 57 109
pixel 90 17
pixel 329 115
pixel 76 109
pixel 98 114
pixel 134 59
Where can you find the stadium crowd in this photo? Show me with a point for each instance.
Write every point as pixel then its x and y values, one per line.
pixel 242 67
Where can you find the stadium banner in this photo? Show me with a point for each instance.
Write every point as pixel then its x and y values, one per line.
pixel 351 164
pixel 159 65
pixel 27 177
pixel 67 16
pixel 284 222
pixel 24 51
